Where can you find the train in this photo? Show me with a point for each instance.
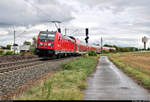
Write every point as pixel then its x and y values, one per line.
pixel 53 43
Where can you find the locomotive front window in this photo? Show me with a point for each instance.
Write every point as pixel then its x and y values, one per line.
pixel 47 37
pixel 43 36
pixel 51 37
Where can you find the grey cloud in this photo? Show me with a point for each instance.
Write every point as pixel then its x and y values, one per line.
pixel 25 12
pixel 111 17
pixel 143 24
pixel 116 5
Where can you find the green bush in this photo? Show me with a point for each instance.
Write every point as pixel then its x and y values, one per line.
pixel 111 50
pixel 1 52
pixel 92 53
pixel 67 66
pixel 85 56
pixel 33 49
pixel 105 52
pixel 9 52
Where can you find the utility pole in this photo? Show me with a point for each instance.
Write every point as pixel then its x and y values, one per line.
pixel 101 45
pixel 14 42
pixel 14 36
pixel 65 31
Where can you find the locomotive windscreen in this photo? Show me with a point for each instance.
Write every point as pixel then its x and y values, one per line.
pixel 43 36
pixel 47 36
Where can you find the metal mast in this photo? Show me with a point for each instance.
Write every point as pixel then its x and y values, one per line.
pixel 101 44
pixel 14 42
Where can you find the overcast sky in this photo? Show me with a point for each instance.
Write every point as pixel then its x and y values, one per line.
pixel 118 22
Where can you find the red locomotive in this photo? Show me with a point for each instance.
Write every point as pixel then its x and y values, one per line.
pixel 50 43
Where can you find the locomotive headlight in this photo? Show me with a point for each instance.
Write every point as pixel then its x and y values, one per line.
pixel 41 44
pixel 50 44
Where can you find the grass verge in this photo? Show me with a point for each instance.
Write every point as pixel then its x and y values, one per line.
pixel 67 84
pixel 137 74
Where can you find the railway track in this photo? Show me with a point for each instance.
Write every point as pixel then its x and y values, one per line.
pixel 12 66
pixel 17 62
pixel 6 67
pixel 16 58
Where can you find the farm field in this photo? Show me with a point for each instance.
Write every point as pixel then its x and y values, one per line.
pixel 136 65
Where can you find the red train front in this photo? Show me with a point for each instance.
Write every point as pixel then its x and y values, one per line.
pixel 51 43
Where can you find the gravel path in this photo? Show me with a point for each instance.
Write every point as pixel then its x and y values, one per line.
pixel 11 80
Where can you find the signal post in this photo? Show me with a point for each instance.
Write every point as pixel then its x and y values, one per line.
pixel 87 37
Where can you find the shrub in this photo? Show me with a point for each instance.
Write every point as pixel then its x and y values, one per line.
pixel 33 50
pixel 1 52
pixel 92 53
pixel 85 56
pixel 67 66
pixel 9 52
pixel 82 85
pixel 111 50
pixel 105 52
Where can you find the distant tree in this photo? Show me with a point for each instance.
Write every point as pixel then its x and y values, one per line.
pixel 106 45
pixel 132 49
pixel 34 41
pixel 136 49
pixel 105 51
pixel 126 49
pixel 148 49
pixel 15 44
pixel 117 48
pixel 9 52
pixel 27 43
pixel 112 50
pixel 97 44
pixel 1 52
pixel 92 53
pixel 122 49
pixel 8 46
pixel 3 47
pixel 33 46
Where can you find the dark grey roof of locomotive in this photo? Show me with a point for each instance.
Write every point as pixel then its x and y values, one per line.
pixel 68 37
pixel 72 37
pixel 48 32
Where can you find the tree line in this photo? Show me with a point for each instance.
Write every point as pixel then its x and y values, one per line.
pixel 32 46
pixel 122 49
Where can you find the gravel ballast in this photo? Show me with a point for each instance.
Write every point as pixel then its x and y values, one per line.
pixel 12 80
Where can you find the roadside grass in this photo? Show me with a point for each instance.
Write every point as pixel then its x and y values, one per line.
pixel 134 70
pixel 66 84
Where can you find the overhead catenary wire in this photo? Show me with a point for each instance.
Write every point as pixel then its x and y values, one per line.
pixel 26 31
pixel 47 15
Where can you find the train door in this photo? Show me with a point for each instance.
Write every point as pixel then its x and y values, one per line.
pixel 74 48
pixel 77 47
pixel 59 42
